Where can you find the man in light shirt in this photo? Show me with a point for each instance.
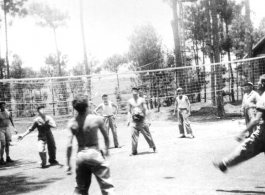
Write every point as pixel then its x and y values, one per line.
pixel 109 117
pixel 249 102
pixel 182 105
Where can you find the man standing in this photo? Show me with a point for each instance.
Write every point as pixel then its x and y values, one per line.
pixel 109 117
pixel 249 102
pixel 253 145
pixel 137 110
pixel 5 133
pixel 90 158
pixel 44 123
pixel 183 107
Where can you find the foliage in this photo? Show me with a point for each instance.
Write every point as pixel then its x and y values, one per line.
pixel 113 63
pixel 145 48
pixel 15 7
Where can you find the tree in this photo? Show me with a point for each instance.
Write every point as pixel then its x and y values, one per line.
pixel 14 8
pixel 259 32
pixel 51 18
pixel 113 63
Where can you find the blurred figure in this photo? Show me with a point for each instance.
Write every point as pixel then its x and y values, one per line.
pixel 90 159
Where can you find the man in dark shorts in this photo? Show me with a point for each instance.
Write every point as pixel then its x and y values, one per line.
pixel 44 123
pixel 90 159
pixel 253 145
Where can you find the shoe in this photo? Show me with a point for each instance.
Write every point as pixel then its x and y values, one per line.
pixel 53 162
pixel 192 136
pixel 155 150
pixel 183 136
pixel 220 165
pixel 2 162
pixel 117 146
pixel 9 160
pixel 134 153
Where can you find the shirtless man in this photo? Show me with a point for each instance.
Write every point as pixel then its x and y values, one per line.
pixel 137 114
pixel 5 133
pixel 109 117
pixel 90 159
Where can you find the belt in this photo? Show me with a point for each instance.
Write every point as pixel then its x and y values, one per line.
pixel 108 116
pixel 87 147
pixel 183 109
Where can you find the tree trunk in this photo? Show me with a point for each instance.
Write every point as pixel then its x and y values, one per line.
pixel 230 66
pixel 218 69
pixel 7 60
pixel 84 49
pixel 209 44
pixel 58 53
pixel 249 30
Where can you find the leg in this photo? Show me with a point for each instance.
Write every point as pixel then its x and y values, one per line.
pixel 187 123
pixel 106 122
pixel 147 135
pixel 102 173
pixel 135 136
pixel 8 140
pixel 42 152
pixel 83 177
pixel 251 113
pixel 2 146
pixel 51 148
pixel 181 127
pixel 113 127
pixel 247 150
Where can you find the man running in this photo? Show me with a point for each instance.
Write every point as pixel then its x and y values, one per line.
pixel 249 102
pixel 253 145
pixel 137 112
pixel 5 133
pixel 44 123
pixel 109 117
pixel 90 158
pixel 183 107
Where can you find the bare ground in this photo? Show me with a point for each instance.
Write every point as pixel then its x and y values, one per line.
pixel 181 166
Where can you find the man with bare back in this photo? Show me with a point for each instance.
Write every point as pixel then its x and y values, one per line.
pixel 90 159
pixel 137 113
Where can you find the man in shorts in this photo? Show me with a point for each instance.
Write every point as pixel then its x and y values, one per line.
pixel 253 145
pixel 182 105
pixel 90 159
pixel 137 113
pixel 5 133
pixel 44 123
pixel 109 117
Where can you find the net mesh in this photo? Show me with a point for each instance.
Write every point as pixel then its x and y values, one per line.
pixel 203 83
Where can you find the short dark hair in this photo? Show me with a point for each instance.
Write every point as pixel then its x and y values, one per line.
pixel 80 102
pixel 39 107
pixel 104 95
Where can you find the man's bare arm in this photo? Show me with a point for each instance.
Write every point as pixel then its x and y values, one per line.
pixel 176 106
pixel 189 105
pixel 69 148
pixel 97 109
pixel 116 108
pixel 12 122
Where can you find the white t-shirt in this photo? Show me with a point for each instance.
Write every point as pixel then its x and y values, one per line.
pixel 182 103
pixel 107 110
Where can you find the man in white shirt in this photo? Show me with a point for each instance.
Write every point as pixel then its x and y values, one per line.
pixel 249 102
pixel 109 117
pixel 137 112
pixel 182 105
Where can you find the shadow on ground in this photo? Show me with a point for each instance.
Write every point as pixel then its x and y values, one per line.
pixel 241 191
pixel 17 163
pixel 19 184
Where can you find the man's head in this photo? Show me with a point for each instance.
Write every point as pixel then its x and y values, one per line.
pixel 105 97
pixel 40 110
pixel 261 84
pixel 80 103
pixel 179 91
pixel 248 86
pixel 2 105
pixel 135 90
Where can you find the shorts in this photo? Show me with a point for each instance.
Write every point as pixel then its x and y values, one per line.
pixel 5 135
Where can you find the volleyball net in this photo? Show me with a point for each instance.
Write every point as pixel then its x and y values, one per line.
pixel 201 83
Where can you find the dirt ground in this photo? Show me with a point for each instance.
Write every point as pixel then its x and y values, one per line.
pixel 181 166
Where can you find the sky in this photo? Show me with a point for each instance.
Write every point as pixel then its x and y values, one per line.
pixel 108 24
